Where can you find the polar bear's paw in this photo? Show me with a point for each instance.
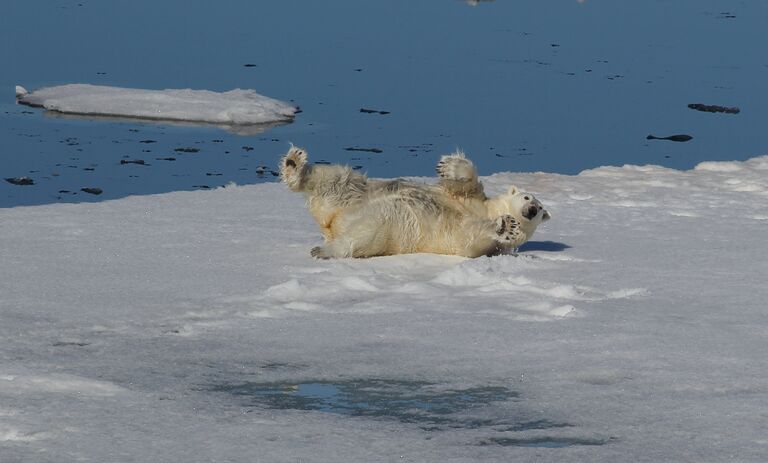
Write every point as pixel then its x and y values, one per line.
pixel 318 252
pixel 295 158
pixel 291 167
pixel 455 167
pixel 508 229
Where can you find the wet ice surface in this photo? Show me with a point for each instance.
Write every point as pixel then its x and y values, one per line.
pixel 430 406
pixel 194 326
pixel 521 86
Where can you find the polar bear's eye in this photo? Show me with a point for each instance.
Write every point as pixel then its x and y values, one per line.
pixel 527 198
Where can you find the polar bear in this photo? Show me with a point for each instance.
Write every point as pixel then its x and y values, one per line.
pixel 360 217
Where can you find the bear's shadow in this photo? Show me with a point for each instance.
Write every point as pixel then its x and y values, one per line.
pixel 549 246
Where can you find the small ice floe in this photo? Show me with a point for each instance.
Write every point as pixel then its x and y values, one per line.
pixel 235 107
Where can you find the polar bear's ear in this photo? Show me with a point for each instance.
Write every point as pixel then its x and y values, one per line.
pixel 512 190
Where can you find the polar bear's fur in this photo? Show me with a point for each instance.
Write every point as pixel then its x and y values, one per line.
pixel 360 217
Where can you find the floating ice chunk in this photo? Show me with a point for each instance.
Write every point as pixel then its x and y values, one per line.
pixel 237 106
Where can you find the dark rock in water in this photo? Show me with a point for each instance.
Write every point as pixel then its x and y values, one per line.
pixel 250 65
pixel 134 161
pixel 373 111
pixel 93 191
pixel 681 137
pixel 20 181
pixel 166 159
pixel 147 141
pixel 247 148
pixel 204 187
pixel 714 108
pixel 187 150
pixel 367 150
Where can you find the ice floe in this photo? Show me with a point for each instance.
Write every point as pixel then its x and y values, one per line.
pixel 236 107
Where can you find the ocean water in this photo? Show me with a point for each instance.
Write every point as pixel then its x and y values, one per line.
pixel 384 86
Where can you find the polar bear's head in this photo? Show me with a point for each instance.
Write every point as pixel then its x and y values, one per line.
pixel 520 205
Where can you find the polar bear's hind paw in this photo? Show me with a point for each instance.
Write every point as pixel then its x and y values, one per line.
pixel 455 167
pixel 292 168
pixel 295 158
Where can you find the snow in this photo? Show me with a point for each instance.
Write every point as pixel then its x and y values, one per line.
pixel 193 326
pixel 240 107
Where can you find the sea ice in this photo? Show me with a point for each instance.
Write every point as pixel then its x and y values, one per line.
pixel 194 326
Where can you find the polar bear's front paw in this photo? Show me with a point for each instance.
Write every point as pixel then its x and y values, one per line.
pixel 318 252
pixel 508 229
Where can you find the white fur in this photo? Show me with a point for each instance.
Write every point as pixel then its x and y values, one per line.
pixel 362 218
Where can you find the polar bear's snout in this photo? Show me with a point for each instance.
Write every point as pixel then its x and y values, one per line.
pixel 531 211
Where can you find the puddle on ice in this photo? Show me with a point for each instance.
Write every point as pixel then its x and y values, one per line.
pixel 406 401
pixel 425 404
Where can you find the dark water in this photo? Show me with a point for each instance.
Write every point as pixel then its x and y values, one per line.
pixel 521 85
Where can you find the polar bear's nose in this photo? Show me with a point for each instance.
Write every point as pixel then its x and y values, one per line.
pixel 531 212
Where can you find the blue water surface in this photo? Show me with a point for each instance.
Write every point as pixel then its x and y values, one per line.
pixel 523 85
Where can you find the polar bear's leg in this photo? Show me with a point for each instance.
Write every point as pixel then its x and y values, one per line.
pixel 491 236
pixel 458 176
pixel 293 168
